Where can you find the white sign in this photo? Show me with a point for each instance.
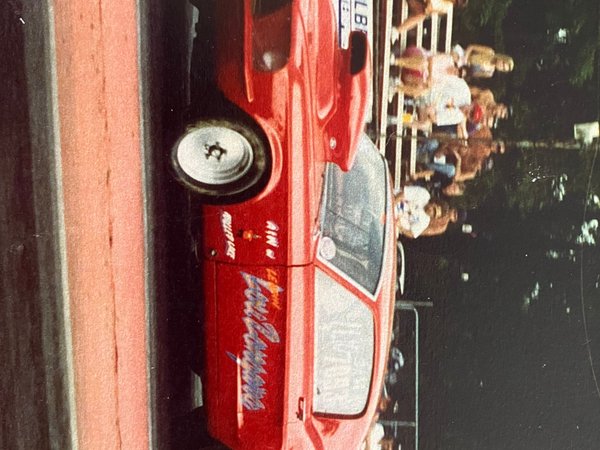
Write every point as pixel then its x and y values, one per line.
pixel 353 15
pixel 586 132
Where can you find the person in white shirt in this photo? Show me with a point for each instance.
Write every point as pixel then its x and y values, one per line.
pixel 446 104
pixel 411 218
pixel 418 215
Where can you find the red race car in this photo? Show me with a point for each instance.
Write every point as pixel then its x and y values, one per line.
pixel 298 240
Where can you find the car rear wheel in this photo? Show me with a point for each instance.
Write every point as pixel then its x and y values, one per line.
pixel 220 159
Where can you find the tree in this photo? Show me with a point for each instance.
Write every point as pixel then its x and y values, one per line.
pixel 555 44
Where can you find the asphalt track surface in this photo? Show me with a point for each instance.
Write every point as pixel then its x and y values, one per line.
pixel 34 388
pixel 34 391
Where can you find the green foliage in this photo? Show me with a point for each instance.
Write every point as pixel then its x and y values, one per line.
pixel 584 64
pixel 528 213
pixel 541 186
pixel 485 14
pixel 555 80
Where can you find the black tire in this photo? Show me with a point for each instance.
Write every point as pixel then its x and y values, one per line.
pixel 244 182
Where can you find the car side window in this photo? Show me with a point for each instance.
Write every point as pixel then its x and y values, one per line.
pixel 344 346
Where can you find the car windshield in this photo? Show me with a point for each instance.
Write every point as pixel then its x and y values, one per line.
pixel 353 217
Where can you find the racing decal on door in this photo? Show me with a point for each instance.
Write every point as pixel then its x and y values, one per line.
pixel 259 334
pixel 272 238
pixel 275 289
pixel 228 232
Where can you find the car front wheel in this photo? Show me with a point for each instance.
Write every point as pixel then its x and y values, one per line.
pixel 222 160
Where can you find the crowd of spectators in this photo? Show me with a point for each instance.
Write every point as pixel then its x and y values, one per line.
pixel 455 118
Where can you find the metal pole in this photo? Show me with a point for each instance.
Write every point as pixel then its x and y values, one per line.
pixel 416 379
pixel 397 423
pixel 434 32
pixel 411 307
pixel 409 303
pixel 382 138
pixel 449 20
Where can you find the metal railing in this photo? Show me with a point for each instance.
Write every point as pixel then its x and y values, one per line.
pixel 394 152
pixel 408 305
pixel 390 143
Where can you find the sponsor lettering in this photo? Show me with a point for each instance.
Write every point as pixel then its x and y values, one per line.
pixel 259 333
pixel 344 22
pixel 274 280
pixel 272 237
pixel 353 15
pixel 362 12
pixel 228 231
pixel 360 20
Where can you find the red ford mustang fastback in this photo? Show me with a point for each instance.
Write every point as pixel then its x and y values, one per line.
pixel 298 235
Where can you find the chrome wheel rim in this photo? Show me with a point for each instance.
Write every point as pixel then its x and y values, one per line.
pixel 214 155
